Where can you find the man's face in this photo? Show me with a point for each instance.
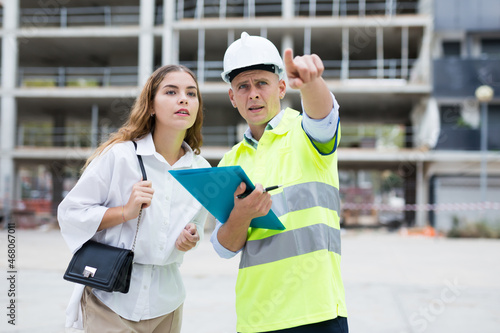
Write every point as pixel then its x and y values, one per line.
pixel 256 94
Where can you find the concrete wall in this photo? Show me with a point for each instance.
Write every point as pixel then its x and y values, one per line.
pixel 464 190
pixel 466 15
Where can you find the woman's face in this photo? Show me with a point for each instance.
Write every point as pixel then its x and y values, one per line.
pixel 176 102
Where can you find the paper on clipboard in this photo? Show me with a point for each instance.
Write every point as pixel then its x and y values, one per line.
pixel 214 189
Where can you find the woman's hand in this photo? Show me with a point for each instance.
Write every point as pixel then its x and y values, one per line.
pixel 188 238
pixel 141 196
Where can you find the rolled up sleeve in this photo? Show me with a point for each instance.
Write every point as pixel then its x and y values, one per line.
pixel 322 130
pixel 221 250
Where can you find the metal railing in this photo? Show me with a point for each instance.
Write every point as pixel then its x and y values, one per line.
pixel 205 71
pixel 358 136
pixel 197 9
pixel 61 137
pixel 208 71
pixel 354 7
pixel 227 8
pixel 368 136
pixel 367 69
pixel 220 135
pixel 374 136
pixel 80 16
pixel 82 137
pixel 77 76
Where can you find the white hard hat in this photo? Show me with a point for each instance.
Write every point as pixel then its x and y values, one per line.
pixel 251 52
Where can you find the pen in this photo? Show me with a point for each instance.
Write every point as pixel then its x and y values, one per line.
pixel 267 189
pixel 270 188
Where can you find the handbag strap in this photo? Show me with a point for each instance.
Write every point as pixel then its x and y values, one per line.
pixel 144 177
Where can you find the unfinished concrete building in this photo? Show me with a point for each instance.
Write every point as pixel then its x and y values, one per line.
pixel 71 71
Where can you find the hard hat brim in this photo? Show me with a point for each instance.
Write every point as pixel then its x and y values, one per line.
pixel 270 68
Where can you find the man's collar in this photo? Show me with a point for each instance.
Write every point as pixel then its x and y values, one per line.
pixel 270 126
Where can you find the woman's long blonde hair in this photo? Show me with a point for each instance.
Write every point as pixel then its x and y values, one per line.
pixel 140 122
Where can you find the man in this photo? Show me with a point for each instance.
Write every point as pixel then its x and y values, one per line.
pixel 288 281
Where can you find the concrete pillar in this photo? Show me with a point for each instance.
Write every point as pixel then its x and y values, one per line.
pixel 344 70
pixel 201 56
pixel 380 53
pixel 287 9
pixel 286 43
pixel 307 40
pixel 94 129
pixel 425 55
pixel 8 104
pixel 420 218
pixel 170 45
pixel 57 171
pixel 408 172
pixel 59 125
pixel 57 167
pixel 146 40
pixel 404 52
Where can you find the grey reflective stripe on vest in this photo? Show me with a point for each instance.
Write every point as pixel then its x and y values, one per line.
pixel 290 244
pixel 306 195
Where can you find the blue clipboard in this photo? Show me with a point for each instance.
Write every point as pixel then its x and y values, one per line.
pixel 214 188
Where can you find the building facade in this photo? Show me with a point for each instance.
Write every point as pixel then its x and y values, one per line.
pixel 71 71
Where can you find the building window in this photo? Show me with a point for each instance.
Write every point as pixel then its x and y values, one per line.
pixel 450 115
pixel 456 133
pixel 493 126
pixel 451 49
pixel 490 47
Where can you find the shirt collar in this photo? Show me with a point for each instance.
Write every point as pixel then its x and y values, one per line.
pixel 146 147
pixel 270 126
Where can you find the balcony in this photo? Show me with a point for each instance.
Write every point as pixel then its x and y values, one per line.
pixel 195 9
pixel 47 136
pixel 457 77
pixel 43 77
pixel 79 16
pixel 44 135
pixel 468 139
pixel 209 71
pixel 237 8
pixel 109 16
pixel 355 7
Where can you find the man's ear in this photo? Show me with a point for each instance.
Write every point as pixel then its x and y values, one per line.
pixel 231 97
pixel 282 88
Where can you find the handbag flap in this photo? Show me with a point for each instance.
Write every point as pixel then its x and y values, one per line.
pixel 101 265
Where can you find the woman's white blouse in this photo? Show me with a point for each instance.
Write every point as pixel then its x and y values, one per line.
pixel 156 286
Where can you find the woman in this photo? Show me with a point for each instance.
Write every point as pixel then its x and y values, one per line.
pixel 165 122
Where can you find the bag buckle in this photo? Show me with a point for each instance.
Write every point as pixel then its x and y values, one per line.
pixel 89 272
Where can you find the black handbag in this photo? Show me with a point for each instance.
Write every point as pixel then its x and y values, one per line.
pixel 102 266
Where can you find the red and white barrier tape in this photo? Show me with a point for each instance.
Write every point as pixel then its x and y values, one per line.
pixel 488 205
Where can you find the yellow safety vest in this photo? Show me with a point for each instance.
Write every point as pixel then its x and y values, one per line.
pixel 291 278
